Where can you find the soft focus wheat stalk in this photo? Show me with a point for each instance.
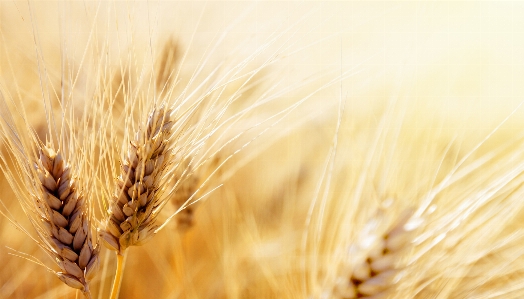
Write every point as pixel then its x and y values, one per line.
pixel 461 224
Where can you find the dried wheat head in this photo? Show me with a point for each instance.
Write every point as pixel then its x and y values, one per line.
pixel 63 211
pixel 137 201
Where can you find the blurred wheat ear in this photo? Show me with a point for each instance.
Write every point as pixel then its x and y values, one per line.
pixel 373 276
pixel 186 189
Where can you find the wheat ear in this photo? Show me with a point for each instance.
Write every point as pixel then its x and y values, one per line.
pixel 373 277
pixel 63 212
pixel 137 200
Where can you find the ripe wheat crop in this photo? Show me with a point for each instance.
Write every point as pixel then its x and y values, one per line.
pixel 261 150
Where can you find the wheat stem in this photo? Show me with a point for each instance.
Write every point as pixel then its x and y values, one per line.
pixel 86 294
pixel 118 276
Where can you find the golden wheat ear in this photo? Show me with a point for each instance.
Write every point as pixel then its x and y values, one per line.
pixel 137 199
pixel 372 276
pixel 63 212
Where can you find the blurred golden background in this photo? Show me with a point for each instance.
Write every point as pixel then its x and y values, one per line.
pixel 423 91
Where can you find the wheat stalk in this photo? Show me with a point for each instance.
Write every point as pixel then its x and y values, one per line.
pixel 137 199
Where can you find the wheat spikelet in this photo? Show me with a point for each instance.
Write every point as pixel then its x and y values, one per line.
pixel 63 212
pixel 185 190
pixel 136 202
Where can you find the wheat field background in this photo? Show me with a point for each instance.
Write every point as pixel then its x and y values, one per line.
pixel 323 121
